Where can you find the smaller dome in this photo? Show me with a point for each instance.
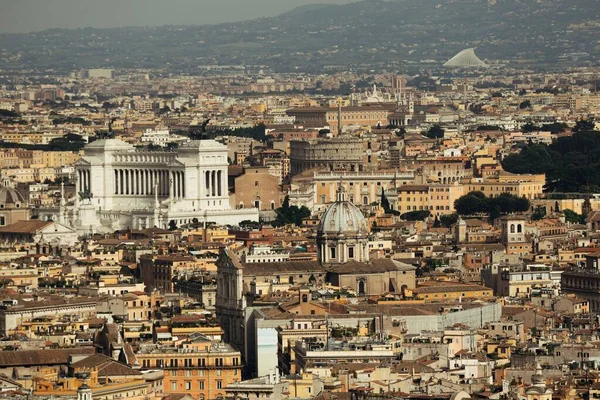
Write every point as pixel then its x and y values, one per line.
pixel 342 217
pixel 9 195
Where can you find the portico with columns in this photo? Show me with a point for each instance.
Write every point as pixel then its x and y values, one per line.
pixel 139 188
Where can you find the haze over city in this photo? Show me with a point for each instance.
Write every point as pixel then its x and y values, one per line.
pixel 35 15
pixel 289 200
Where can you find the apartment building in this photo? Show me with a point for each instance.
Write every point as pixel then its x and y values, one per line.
pixel 362 188
pixel 438 199
pixel 199 367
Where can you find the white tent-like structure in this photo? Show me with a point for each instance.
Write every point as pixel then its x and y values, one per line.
pixel 465 59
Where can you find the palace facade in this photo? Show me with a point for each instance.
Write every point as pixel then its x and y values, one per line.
pixel 121 186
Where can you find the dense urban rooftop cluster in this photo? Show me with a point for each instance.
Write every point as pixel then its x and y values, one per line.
pixel 254 235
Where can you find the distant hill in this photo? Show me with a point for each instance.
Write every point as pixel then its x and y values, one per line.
pixel 366 34
pixel 304 9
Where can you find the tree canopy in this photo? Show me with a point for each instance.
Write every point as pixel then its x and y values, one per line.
pixel 435 132
pixel 525 104
pixel 257 132
pixel 554 127
pixel 571 164
pixel 447 220
pixel 572 217
pixel 420 215
pixel 287 214
pixel 477 203
pixel 69 142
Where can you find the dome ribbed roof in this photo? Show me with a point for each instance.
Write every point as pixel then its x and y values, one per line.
pixel 10 195
pixel 465 58
pixel 342 216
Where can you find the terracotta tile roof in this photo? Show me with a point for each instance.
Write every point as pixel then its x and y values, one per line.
pixel 26 358
pixel 31 226
pixel 106 366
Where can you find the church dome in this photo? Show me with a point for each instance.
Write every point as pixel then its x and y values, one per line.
pixel 9 196
pixel 342 217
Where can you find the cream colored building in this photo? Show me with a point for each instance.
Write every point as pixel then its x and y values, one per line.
pixel 363 116
pixel 361 188
pixel 437 198
pixel 528 186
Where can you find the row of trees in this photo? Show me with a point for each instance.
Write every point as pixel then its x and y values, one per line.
pixel 477 203
pixel 257 132
pixel 555 127
pixel 69 142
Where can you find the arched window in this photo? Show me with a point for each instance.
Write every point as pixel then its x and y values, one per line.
pixel 512 228
pixel 519 228
pixel 361 287
pixel 365 200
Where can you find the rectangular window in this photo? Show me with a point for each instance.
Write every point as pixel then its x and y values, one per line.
pixel 219 384
pixel 350 252
pixel 188 385
pixel 201 385
pixel 174 386
pixel 332 252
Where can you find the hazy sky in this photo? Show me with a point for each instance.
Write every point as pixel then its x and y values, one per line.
pixel 35 15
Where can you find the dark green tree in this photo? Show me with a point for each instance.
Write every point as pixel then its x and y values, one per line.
pixel 471 203
pixel 525 104
pixel 571 163
pixel 529 127
pixel 555 127
pixel 584 125
pixel 572 217
pixel 447 220
pixel 172 225
pixel 477 203
pixel 538 213
pixel 420 215
pixel 247 224
pixel 287 214
pixel 435 132
pixel 436 222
